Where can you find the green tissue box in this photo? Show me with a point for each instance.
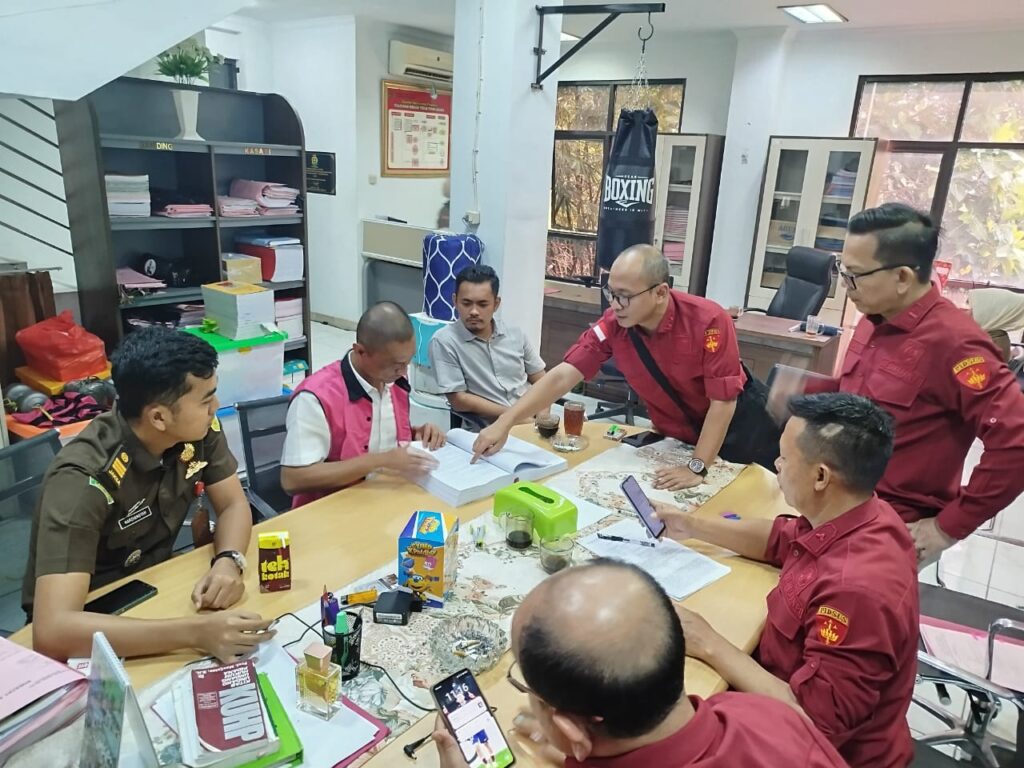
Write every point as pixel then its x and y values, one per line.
pixel 553 514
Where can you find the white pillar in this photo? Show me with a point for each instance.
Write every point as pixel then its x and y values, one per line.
pixel 757 81
pixel 502 137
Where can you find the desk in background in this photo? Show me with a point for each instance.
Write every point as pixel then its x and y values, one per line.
pixel 765 341
pixel 340 538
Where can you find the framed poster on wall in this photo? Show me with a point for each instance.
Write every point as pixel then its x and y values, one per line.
pixel 415 130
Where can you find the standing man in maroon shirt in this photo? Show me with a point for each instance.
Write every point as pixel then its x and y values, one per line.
pixel 940 376
pixel 841 637
pixel 692 341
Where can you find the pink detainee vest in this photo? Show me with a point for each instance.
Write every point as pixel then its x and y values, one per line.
pixel 349 413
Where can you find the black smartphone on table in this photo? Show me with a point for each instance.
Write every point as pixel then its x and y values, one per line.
pixel 644 509
pixel 640 439
pixel 469 719
pixel 119 600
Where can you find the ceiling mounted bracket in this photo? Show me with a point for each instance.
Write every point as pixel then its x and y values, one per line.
pixel 613 11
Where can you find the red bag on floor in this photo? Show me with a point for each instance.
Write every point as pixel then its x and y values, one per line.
pixel 61 349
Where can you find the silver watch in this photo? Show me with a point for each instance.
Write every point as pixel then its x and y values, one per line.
pixel 697 467
pixel 236 557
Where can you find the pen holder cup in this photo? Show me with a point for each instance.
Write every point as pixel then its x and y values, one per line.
pixel 347 647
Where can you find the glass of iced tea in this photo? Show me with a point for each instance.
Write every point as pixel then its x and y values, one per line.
pixel 572 417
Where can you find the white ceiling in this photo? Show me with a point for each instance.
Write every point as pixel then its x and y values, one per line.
pixel 679 15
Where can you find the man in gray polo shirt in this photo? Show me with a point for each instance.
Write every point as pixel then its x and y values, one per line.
pixel 481 364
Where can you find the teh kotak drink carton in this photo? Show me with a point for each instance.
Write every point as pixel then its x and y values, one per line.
pixel 428 556
pixel 275 562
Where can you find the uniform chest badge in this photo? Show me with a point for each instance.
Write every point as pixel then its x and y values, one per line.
pixel 831 625
pixel 711 339
pixel 972 372
pixel 133 559
pixel 194 467
pixel 188 452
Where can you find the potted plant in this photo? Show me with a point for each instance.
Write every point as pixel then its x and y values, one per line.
pixel 186 63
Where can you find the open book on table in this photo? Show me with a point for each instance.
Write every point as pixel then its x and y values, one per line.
pixel 457 481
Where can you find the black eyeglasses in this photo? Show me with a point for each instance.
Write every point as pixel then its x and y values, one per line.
pixel 623 299
pixel 851 277
pixel 516 683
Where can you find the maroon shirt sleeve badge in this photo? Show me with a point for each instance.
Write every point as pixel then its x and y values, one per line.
pixel 831 625
pixel 972 372
pixel 711 340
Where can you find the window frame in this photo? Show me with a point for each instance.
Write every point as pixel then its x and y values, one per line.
pixel 606 136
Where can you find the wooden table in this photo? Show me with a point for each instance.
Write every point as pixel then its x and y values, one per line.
pixel 344 536
pixel 765 341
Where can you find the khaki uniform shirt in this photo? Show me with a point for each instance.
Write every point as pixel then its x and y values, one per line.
pixel 109 508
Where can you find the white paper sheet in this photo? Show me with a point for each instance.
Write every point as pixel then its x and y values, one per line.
pixel 967 649
pixel 679 570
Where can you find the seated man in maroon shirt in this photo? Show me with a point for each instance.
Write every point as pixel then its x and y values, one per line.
pixel 941 377
pixel 600 653
pixel 841 637
pixel 691 339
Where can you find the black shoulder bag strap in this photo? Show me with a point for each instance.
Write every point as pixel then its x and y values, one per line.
pixel 659 376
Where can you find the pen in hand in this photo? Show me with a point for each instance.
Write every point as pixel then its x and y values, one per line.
pixel 607 537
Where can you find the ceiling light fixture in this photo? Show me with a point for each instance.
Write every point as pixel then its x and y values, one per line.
pixel 819 13
pixel 569 38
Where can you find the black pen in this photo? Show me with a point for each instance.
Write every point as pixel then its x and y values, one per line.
pixel 607 537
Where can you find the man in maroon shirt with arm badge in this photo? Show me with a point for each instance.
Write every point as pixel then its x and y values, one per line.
pixel 940 376
pixel 841 637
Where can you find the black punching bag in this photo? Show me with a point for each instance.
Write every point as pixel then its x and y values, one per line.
pixel 627 196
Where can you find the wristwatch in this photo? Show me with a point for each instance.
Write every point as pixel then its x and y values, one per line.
pixel 697 467
pixel 236 557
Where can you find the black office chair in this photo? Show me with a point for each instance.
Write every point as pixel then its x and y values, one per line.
pixel 263 432
pixel 628 409
pixel 22 467
pixel 809 274
pixel 929 757
pixel 985 698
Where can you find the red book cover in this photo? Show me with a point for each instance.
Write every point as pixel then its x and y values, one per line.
pixel 228 710
pixel 267 257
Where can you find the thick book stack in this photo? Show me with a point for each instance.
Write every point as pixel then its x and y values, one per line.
pixel 229 717
pixel 288 316
pixel 240 309
pixel 127 195
pixel 282 257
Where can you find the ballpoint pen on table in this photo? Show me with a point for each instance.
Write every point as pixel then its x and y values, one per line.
pixel 642 543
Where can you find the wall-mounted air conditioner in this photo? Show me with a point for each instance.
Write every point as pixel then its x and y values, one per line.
pixel 406 60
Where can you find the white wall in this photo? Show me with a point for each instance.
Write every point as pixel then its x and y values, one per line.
pixel 705 60
pixel 416 201
pixel 249 42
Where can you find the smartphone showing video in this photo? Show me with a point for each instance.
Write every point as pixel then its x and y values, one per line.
pixel 465 712
pixel 644 510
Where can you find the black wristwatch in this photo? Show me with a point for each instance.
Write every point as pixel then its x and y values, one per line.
pixel 697 467
pixel 236 557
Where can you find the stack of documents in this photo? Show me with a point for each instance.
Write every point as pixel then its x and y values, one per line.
pixel 237 206
pixel 240 309
pixel 127 195
pixel 283 257
pixel 272 198
pixel 288 316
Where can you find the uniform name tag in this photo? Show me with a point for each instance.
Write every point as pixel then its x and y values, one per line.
pixel 133 517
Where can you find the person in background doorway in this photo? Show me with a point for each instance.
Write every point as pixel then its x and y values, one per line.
pixel 482 365
pixel 114 499
pixel 351 418
pixel 840 642
pixel 940 376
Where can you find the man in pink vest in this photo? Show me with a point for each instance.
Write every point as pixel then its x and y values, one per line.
pixel 351 418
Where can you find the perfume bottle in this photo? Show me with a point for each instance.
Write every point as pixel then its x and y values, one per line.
pixel 318 682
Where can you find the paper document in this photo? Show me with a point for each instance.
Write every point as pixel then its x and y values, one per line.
pixel 967 648
pixel 679 570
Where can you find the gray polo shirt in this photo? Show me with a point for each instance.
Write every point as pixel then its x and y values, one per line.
pixel 495 369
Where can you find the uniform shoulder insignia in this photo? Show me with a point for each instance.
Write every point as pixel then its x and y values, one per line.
pixel 972 372
pixel 215 424
pixel 711 339
pixel 99 487
pixel 831 625
pixel 116 468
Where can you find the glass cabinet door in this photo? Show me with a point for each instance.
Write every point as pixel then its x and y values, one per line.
pixel 787 197
pixel 836 201
pixel 676 234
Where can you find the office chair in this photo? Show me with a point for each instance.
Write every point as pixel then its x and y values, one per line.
pixel 628 409
pixel 22 467
pixel 263 432
pixel 809 274
pixel 984 697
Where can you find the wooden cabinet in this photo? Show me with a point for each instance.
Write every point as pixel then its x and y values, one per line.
pixel 688 169
pixel 811 188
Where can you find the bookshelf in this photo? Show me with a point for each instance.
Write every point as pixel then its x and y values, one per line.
pixel 127 127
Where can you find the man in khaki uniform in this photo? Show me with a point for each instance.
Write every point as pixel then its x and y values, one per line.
pixel 114 500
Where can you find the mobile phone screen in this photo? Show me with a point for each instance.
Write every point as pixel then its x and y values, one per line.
pixel 121 599
pixel 468 717
pixel 636 496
